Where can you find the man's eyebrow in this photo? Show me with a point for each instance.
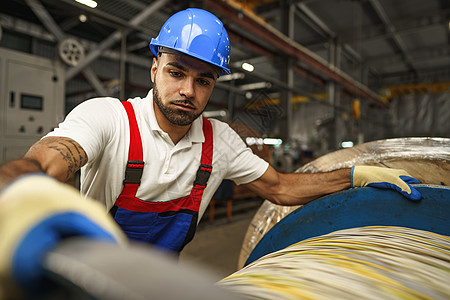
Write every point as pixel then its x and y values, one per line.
pixel 178 66
pixel 183 68
pixel 208 75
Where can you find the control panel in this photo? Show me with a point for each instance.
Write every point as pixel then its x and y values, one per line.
pixel 32 100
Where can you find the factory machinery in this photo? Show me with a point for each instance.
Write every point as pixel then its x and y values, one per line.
pixel 359 243
pixel 31 100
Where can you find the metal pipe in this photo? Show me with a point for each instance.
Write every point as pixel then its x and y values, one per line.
pixel 95 82
pixel 51 25
pixel 45 18
pixel 113 38
pixel 391 29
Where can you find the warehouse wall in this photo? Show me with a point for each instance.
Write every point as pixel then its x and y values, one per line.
pixel 421 115
pixel 322 127
pixel 318 126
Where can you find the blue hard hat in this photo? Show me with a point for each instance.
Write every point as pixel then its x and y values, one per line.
pixel 197 33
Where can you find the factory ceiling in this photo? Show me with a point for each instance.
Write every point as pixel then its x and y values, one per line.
pixel 363 45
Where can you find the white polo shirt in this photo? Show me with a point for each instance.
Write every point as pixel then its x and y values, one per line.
pixel 100 126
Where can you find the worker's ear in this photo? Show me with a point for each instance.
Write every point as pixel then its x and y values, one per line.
pixel 153 69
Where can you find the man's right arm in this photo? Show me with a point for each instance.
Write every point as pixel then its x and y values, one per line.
pixel 58 157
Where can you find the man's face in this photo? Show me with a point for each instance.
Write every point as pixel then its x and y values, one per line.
pixel 182 87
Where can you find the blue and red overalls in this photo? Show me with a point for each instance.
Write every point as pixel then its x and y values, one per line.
pixel 169 224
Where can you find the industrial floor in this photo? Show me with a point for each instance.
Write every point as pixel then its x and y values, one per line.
pixel 216 246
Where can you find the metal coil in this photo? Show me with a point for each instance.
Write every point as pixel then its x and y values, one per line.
pixel 373 262
pixel 427 159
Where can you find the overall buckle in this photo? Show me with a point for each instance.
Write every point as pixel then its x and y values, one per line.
pixel 133 172
pixel 203 173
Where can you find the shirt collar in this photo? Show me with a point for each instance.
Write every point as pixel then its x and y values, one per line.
pixel 195 133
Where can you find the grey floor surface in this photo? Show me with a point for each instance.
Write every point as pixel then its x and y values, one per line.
pixel 216 247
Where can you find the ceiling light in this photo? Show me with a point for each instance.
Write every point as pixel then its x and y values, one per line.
pixel 89 3
pixel 82 18
pixel 255 86
pixel 347 144
pixel 229 77
pixel 272 141
pixel 248 67
pixel 250 141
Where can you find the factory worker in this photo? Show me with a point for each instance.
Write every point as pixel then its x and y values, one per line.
pixel 154 163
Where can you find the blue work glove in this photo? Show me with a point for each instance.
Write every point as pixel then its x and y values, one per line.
pixel 36 213
pixel 385 178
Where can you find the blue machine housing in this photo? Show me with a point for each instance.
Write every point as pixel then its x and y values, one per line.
pixel 357 208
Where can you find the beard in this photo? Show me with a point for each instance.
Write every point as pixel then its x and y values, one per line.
pixel 173 115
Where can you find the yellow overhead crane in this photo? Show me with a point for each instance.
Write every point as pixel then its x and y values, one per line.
pixel 393 92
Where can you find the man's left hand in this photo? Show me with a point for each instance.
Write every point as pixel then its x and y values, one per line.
pixel 385 178
pixel 36 214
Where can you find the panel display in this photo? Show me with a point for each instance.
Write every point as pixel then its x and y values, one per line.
pixel 31 102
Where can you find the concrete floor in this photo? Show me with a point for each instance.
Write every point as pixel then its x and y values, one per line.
pixel 216 247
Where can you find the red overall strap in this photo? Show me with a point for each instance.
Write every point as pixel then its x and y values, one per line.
pixel 127 198
pixel 204 171
pixel 190 202
pixel 207 147
pixel 135 163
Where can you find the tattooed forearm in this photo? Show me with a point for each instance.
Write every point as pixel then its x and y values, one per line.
pixel 71 153
pixel 71 156
pixel 56 156
pixel 82 157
